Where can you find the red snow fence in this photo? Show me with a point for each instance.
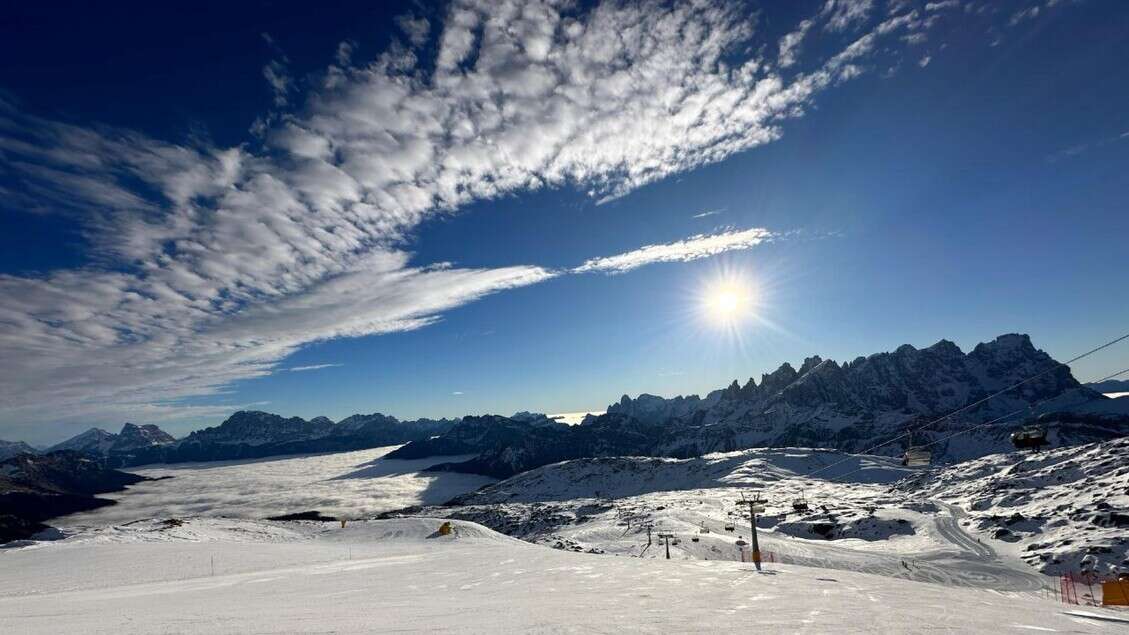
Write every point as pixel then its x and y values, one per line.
pixel 1114 591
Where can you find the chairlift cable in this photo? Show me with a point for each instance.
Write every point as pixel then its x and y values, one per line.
pixel 996 421
pixel 977 403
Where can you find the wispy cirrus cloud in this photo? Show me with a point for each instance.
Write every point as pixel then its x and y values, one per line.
pixel 210 265
pixel 708 212
pixel 693 248
pixel 299 369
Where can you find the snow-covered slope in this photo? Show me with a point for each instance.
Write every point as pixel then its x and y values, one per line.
pixel 1052 509
pixel 864 513
pixel 226 576
pixel 93 441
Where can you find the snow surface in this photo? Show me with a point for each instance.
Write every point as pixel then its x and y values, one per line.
pixel 1051 509
pixel 345 484
pixel 239 576
pixel 865 513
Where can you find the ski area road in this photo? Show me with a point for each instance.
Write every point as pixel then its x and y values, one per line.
pixel 949 527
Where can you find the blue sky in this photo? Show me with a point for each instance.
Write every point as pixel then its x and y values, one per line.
pixel 437 209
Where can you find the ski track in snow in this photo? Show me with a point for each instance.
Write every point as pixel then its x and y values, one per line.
pixel 125 569
pixel 397 575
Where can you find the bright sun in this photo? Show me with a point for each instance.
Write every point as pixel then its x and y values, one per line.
pixel 726 302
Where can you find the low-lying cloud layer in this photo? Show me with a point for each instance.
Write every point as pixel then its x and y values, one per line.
pixel 345 484
pixel 209 265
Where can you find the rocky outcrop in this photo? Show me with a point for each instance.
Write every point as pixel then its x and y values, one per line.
pixel 35 488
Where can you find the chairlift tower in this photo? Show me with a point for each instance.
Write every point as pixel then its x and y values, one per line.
pixel 756 506
pixel 666 536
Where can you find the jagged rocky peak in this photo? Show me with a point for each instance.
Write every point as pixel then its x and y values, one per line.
pixel 322 420
pixel 732 391
pixel 255 427
pixel 930 380
pixel 810 363
pixel 147 434
pixel 1011 341
pixel 535 419
pixel 778 379
pixel 359 421
pixel 946 348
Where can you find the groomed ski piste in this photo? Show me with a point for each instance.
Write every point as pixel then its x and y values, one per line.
pixel 875 551
pixel 235 576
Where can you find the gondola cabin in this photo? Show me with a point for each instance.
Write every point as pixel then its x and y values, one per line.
pixel 917 457
pixel 1029 438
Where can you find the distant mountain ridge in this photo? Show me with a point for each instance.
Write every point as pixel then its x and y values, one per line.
pixel 248 435
pixel 1110 386
pixel 854 407
pixel 9 449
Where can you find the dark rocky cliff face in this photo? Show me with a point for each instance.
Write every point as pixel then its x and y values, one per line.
pixel 852 406
pixel 35 488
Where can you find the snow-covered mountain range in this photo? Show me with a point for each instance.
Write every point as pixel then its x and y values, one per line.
pixel 852 406
pixel 247 434
pixel 856 406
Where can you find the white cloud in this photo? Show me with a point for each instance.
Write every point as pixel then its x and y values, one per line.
pixel 279 80
pixel 1032 12
pixel 943 5
pixel 789 45
pixel 693 248
pixel 844 14
pixel 298 369
pixel 709 212
pixel 924 61
pixel 416 29
pixel 349 484
pixel 210 265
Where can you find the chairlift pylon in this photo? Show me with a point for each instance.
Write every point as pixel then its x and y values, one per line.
pixel 800 504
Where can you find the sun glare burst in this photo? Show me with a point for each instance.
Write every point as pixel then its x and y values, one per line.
pixel 727 301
